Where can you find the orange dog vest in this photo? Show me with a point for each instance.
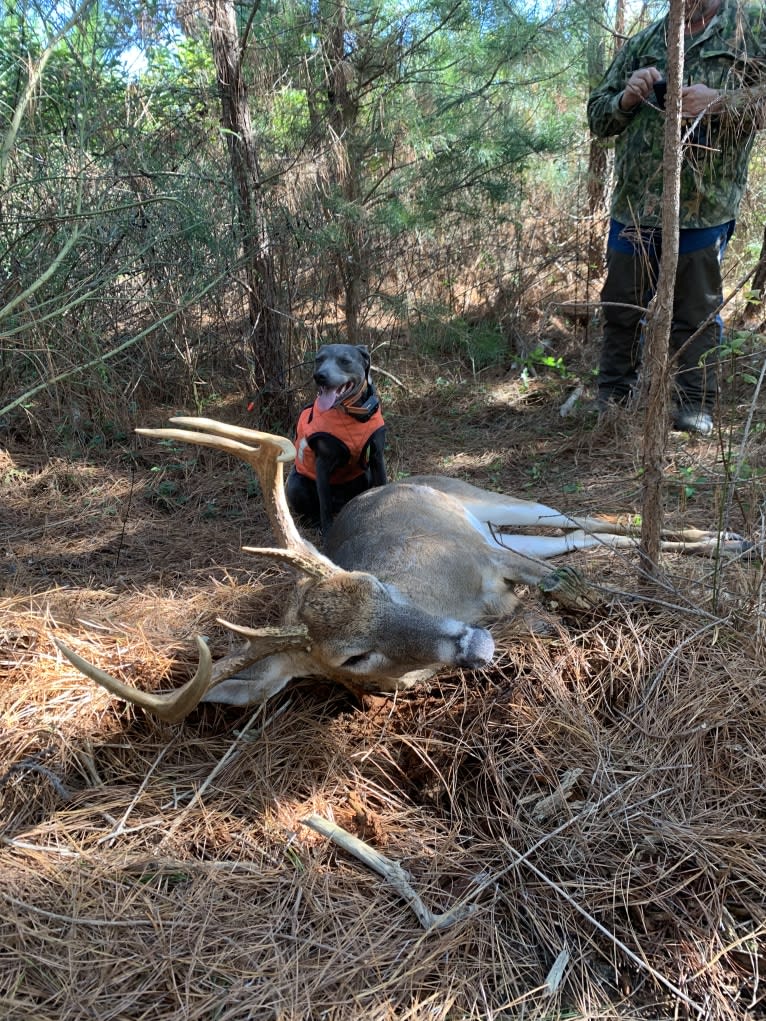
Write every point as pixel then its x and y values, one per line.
pixel 352 432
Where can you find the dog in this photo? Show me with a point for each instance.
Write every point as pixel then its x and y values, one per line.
pixel 339 438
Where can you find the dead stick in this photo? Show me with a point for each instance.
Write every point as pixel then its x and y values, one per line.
pixel 391 871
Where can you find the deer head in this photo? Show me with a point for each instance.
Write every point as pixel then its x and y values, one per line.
pixel 344 625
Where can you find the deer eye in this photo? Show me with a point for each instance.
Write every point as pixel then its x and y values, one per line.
pixel 356 660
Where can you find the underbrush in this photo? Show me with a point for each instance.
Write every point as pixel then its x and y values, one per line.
pixel 596 798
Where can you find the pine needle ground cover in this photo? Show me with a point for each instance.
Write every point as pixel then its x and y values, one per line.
pixel 595 801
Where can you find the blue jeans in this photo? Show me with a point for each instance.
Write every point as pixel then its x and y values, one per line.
pixel 633 258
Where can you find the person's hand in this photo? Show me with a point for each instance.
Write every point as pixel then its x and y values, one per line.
pixel 638 87
pixel 697 99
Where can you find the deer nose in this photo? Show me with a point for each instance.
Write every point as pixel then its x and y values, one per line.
pixel 476 648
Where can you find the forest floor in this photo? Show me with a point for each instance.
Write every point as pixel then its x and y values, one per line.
pixel 598 795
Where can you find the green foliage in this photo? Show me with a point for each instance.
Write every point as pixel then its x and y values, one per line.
pixel 479 344
pixel 740 350
pixel 690 481
pixel 176 88
pixel 119 244
pixel 539 359
pixel 109 228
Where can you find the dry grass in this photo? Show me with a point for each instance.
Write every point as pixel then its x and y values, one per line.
pixel 145 877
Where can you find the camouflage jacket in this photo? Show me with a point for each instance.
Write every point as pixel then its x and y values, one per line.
pixel 729 55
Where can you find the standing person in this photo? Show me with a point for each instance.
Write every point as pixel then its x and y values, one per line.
pixel 722 106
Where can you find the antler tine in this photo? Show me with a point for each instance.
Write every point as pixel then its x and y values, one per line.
pixel 261 642
pixel 172 706
pixel 314 566
pixel 236 432
pixel 266 454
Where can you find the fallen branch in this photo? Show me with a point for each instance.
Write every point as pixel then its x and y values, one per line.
pixel 391 871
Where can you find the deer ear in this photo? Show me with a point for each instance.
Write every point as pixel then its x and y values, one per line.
pixel 259 681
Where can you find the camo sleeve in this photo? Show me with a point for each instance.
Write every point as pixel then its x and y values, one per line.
pixel 730 57
pixel 605 117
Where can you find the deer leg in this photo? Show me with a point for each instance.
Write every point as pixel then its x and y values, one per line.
pixel 543 547
pixel 510 513
pixel 587 532
pixel 567 587
pixel 254 683
pixel 564 585
pixel 715 544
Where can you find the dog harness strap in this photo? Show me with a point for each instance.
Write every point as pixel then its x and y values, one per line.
pixel 353 433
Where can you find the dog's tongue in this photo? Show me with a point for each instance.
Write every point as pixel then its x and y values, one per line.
pixel 327 398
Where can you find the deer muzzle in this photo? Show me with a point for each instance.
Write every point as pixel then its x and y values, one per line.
pixel 475 648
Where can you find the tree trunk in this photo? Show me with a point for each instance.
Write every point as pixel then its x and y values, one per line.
pixel 656 381
pixel 598 161
pixel 343 112
pixel 754 306
pixel 273 402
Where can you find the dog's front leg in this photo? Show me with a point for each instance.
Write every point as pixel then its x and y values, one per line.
pixel 324 470
pixel 377 461
pixel 331 454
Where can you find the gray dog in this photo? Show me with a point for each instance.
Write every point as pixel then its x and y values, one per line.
pixel 339 438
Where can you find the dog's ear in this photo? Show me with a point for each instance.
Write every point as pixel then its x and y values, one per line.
pixel 364 351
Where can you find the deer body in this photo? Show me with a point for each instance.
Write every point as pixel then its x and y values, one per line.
pixel 411 572
pixel 440 560
pixel 406 602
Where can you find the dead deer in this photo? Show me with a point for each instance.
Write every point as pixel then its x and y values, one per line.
pixel 411 571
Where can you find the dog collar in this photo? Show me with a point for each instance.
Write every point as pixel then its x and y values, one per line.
pixel 362 410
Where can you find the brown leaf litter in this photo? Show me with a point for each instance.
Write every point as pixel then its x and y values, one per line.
pixel 597 797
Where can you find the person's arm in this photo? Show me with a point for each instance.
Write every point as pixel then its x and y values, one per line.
pixel 700 99
pixel 746 105
pixel 615 102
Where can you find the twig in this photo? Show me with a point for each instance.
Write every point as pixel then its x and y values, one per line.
pixel 111 922
pixel 746 937
pixel 233 750
pixel 571 400
pixel 25 845
pixel 644 965
pixel 663 668
pixel 745 436
pixel 31 765
pixel 553 803
pixel 556 974
pixel 112 352
pixel 391 871
pixel 390 375
pixel 119 827
pixel 126 515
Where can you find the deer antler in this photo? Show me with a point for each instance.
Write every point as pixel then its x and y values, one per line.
pixel 175 705
pixel 266 454
pixel 171 707
pixel 313 566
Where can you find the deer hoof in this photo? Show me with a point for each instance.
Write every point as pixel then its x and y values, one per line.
pixel 566 587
